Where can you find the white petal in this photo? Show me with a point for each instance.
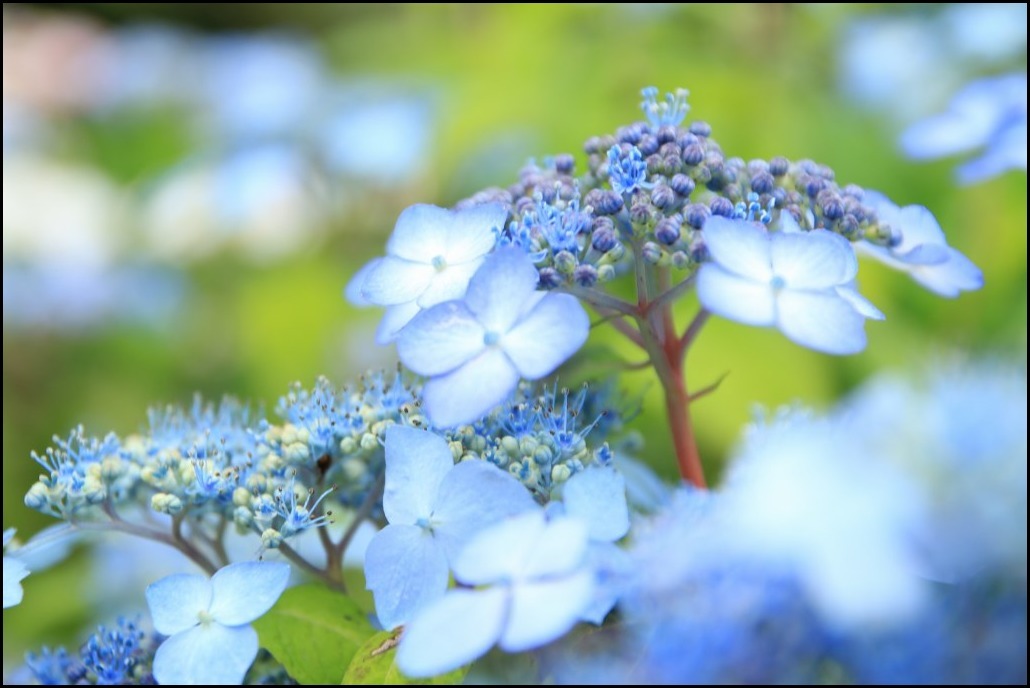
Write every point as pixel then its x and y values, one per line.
pixel 544 611
pixel 470 392
pixel 473 231
pixel 734 297
pixel 440 339
pixel 421 233
pixel 861 304
pixel 738 246
pixel 454 631
pixel 598 496
pixel 449 283
pixel 473 496
pixel 820 320
pixel 206 655
pixel 244 591
pixel 501 551
pixel 176 601
pixel 9 535
pixel 547 336
pixel 416 463
pixel 394 320
pixel 353 290
pixel 813 260
pixel 558 550
pixel 394 281
pixel 406 570
pixel 500 288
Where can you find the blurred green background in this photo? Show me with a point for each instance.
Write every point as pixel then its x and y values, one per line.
pixel 249 299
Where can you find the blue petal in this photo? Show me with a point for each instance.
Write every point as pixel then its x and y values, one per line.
pixel 14 572
pixel 394 319
pixel 210 654
pixel 734 297
pixel 176 601
pixel 949 279
pixel 440 339
pixel 498 291
pixel 544 611
pixel 244 591
pixel 394 281
pixel 739 247
pixel 612 569
pixel 406 570
pixel 449 283
pixel 353 290
pixel 598 496
pixel 468 393
pixel 813 260
pixel 473 231
pixel 473 496
pixel 452 632
pixel 501 551
pixel 822 321
pixel 861 304
pixel 421 233
pixel 558 550
pixel 547 335
pixel 416 462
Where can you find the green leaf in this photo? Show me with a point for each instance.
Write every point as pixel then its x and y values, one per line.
pixel 314 632
pixel 373 665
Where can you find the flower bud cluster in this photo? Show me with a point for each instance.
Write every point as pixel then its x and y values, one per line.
pixel 277 480
pixel 650 187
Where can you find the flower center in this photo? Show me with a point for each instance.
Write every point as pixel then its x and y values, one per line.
pixel 205 617
pixel 439 262
pixel 491 338
pixel 778 283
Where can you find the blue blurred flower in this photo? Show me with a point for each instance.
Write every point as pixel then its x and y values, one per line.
pixel 987 114
pixel 208 621
pixel 433 507
pixel 474 351
pixel 791 280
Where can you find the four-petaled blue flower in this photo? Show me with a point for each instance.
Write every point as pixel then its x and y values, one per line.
pixel 540 588
pixel 430 258
pixel 474 351
pixel 434 507
pixel 923 251
pixel 208 621
pixel 798 282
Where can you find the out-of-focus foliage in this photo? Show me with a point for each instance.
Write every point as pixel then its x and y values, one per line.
pixel 159 240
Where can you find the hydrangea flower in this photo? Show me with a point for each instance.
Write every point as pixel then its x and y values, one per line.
pixel 987 113
pixel 474 351
pixel 430 258
pixel 798 282
pixel 208 620
pixel 923 251
pixel 434 507
pixel 539 590
pixel 14 572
